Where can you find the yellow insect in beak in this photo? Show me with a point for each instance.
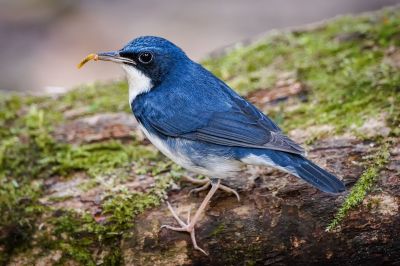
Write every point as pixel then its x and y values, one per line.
pixel 107 56
pixel 88 58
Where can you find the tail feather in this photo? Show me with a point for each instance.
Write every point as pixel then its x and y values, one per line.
pixel 296 165
pixel 318 177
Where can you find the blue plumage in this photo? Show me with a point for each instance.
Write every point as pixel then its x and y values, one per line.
pixel 196 120
pixel 201 122
pixel 200 107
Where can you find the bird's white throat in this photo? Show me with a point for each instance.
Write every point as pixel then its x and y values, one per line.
pixel 138 82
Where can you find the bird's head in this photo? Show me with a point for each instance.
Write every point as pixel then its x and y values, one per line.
pixel 146 60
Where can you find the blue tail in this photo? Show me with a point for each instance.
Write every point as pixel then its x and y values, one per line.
pixel 296 165
pixel 318 177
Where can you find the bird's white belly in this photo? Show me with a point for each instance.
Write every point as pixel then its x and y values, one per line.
pixel 218 167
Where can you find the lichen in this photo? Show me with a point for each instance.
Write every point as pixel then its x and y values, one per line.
pixel 364 184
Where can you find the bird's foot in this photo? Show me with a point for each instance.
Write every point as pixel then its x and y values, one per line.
pixel 185 227
pixel 191 222
pixel 205 183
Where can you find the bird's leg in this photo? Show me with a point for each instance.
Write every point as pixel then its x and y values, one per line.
pixel 206 183
pixel 189 226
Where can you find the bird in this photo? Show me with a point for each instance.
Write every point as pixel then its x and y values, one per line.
pixel 199 122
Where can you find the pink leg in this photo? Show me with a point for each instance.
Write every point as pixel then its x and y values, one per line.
pixel 189 226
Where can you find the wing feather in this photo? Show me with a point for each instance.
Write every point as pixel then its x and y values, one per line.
pixel 211 112
pixel 242 125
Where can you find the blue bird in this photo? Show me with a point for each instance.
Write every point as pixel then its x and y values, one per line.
pixel 200 123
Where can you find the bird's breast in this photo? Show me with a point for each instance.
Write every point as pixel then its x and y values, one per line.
pixel 210 160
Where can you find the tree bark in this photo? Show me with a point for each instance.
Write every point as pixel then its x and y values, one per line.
pixel 280 220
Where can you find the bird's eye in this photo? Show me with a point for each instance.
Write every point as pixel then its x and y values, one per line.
pixel 145 57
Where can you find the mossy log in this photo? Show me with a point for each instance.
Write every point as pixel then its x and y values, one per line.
pixel 80 185
pixel 280 221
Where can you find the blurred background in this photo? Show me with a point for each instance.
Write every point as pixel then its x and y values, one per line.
pixel 41 41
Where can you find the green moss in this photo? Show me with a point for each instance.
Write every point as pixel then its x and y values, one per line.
pixel 364 184
pixel 34 153
pixel 123 208
pixel 60 199
pixel 342 65
pixel 78 254
pixel 78 235
pixel 19 210
pixel 82 234
pixel 29 155
pixel 218 229
pixel 114 257
pixel 24 143
pixel 96 98
pixel 88 185
pixel 99 158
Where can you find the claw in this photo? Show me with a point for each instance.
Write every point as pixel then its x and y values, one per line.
pixel 203 187
pixel 195 246
pixel 230 190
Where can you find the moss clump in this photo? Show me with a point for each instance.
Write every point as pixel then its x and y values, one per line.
pixel 123 207
pixel 341 63
pixel 98 158
pixel 76 234
pixel 25 143
pixel 80 234
pixel 96 98
pixel 29 155
pixel 364 184
pixel 28 143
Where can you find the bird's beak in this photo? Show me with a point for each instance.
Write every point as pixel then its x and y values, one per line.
pixel 107 56
pixel 114 57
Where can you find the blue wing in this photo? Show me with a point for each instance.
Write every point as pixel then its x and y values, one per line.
pixel 213 113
